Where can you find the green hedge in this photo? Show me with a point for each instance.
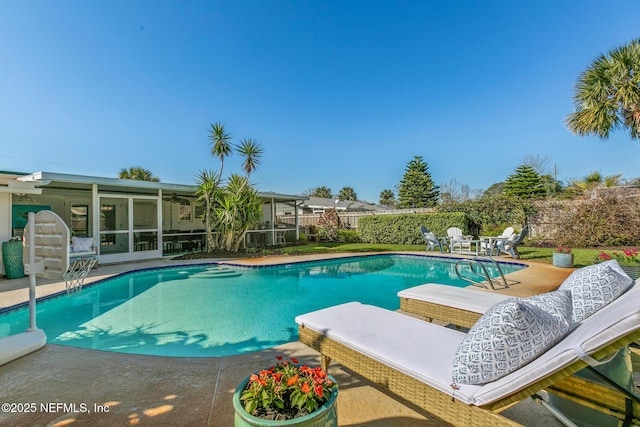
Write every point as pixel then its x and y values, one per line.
pixel 405 229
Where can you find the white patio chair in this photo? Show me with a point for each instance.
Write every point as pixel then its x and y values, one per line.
pixel 458 242
pixel 488 247
pixel 432 240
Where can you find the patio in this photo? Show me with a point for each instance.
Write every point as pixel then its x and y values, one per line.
pixel 122 389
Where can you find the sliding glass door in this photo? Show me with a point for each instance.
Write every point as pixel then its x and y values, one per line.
pixel 128 228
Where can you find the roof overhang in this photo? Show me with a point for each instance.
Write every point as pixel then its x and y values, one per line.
pixel 46 178
pixel 16 183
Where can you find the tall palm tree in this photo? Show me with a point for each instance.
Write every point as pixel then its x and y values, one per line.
pixel 252 152
pixel 607 94
pixel 220 143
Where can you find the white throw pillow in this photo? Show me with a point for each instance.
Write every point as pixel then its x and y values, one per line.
pixel 595 286
pixel 511 334
pixel 81 244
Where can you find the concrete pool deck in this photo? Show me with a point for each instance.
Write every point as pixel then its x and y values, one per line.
pixel 121 389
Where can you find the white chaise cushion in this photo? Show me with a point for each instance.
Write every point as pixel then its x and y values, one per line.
pixel 594 287
pixel 468 299
pixel 417 348
pixel 510 335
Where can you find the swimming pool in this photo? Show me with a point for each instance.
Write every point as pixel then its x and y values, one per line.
pixel 211 310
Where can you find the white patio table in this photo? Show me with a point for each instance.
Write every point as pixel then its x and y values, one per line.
pixel 487 244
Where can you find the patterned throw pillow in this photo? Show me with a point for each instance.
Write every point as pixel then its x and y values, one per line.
pixel 81 244
pixel 626 280
pixel 594 287
pixel 510 335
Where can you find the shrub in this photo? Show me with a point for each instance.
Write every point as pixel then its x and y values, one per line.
pixel 605 220
pixel 490 215
pixel 290 236
pixel 348 236
pixel 404 229
pixel 328 225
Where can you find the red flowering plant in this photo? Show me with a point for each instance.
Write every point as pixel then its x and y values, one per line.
pixel 563 249
pixel 286 391
pixel 626 257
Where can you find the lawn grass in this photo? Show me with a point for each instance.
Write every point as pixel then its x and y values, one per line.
pixel 582 257
pixel 325 248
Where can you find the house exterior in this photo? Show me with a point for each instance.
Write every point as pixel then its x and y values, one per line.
pixel 128 219
pixel 318 205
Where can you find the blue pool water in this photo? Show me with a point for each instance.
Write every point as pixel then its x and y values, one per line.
pixel 219 310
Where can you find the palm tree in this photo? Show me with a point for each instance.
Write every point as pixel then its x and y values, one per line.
pixel 607 94
pixel 220 143
pixel 387 198
pixel 323 192
pixel 238 208
pixel 207 193
pixel 137 173
pixel 347 193
pixel 252 152
pixel 592 181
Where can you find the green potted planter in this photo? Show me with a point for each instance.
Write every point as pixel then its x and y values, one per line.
pixel 12 259
pixel 325 415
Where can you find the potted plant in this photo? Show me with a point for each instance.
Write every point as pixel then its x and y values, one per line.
pixel 629 260
pixel 287 394
pixel 12 258
pixel 563 257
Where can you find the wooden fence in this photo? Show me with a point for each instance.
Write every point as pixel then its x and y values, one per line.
pixel 347 219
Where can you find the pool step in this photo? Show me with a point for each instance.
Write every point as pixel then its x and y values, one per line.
pixel 218 273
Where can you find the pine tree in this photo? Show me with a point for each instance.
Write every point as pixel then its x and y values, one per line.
pixel 525 182
pixel 416 189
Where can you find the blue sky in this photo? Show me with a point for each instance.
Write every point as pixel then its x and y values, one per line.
pixel 339 93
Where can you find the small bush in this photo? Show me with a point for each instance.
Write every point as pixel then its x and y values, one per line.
pixel 329 224
pixel 348 236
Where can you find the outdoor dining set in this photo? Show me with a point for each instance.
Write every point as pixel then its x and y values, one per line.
pixel 459 243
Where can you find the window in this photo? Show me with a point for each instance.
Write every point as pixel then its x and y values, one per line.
pixel 80 220
pixel 185 211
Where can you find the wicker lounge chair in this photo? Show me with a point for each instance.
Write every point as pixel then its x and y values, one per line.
pixel 458 306
pixel 416 365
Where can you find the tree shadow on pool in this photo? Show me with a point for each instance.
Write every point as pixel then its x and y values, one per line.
pixel 142 340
